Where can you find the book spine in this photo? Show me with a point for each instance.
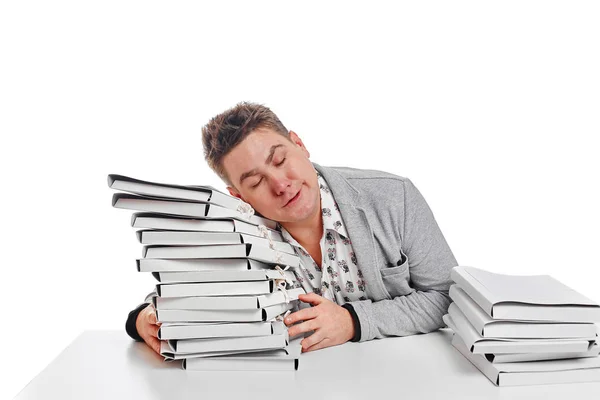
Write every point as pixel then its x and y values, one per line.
pixel 474 289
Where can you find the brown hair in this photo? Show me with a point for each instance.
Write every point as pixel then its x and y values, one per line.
pixel 226 130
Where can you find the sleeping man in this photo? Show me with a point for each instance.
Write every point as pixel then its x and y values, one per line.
pixel 374 262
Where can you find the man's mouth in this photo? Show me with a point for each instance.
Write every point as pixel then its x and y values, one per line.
pixel 293 199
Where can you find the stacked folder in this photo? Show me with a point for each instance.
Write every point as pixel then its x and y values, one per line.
pixel 523 330
pixel 225 276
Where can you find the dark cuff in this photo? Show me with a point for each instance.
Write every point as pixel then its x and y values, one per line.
pixel 130 327
pixel 357 332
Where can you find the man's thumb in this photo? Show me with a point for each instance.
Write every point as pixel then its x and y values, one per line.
pixel 152 318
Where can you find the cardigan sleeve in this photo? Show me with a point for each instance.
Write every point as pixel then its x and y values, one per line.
pixel 430 262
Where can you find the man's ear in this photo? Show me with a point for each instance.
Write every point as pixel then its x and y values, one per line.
pixel 235 193
pixel 296 140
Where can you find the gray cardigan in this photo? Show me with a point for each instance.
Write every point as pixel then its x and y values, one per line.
pixel 400 250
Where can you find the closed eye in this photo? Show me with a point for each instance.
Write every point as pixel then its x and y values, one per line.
pixel 258 183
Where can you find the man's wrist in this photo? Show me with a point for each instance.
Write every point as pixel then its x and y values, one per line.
pixel 355 322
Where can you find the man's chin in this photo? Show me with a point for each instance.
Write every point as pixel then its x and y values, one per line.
pixel 295 218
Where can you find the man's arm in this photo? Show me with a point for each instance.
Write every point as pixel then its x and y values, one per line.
pixel 430 262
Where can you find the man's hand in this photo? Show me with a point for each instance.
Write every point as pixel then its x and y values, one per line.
pixel 147 327
pixel 331 323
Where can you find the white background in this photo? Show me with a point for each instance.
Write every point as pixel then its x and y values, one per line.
pixel 490 108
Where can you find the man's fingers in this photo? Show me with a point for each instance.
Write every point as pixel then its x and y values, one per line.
pixel 311 298
pixel 154 344
pixel 306 326
pixel 322 344
pixel 312 340
pixel 152 317
pixel 302 315
pixel 153 329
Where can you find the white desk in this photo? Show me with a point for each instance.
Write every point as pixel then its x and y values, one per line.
pixel 110 365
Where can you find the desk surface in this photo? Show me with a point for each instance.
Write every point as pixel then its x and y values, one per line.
pixel 108 364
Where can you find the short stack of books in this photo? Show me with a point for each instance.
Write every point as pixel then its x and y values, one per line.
pixel 523 330
pixel 224 276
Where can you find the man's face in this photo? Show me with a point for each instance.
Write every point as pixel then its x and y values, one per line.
pixel 268 171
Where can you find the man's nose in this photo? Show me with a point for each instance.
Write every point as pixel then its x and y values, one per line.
pixel 280 183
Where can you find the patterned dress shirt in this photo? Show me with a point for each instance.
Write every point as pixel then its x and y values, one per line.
pixel 338 279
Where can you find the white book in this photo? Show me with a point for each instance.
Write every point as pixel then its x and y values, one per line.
pixel 293 349
pixel 491 328
pixel 185 192
pixel 226 302
pixel 175 223
pixel 594 351
pixel 176 330
pixel 167 351
pixel 169 355
pixel 535 372
pixel 228 344
pixel 222 276
pixel 182 238
pixel 527 298
pixel 477 344
pixel 184 208
pixel 259 253
pixel 268 360
pixel 215 288
pixel 199 264
pixel 260 314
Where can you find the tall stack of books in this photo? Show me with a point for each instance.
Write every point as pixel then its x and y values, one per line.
pixel 224 276
pixel 523 330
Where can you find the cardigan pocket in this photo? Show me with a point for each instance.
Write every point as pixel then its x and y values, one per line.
pixel 396 280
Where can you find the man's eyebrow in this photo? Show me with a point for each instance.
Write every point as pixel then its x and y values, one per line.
pixel 267 162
